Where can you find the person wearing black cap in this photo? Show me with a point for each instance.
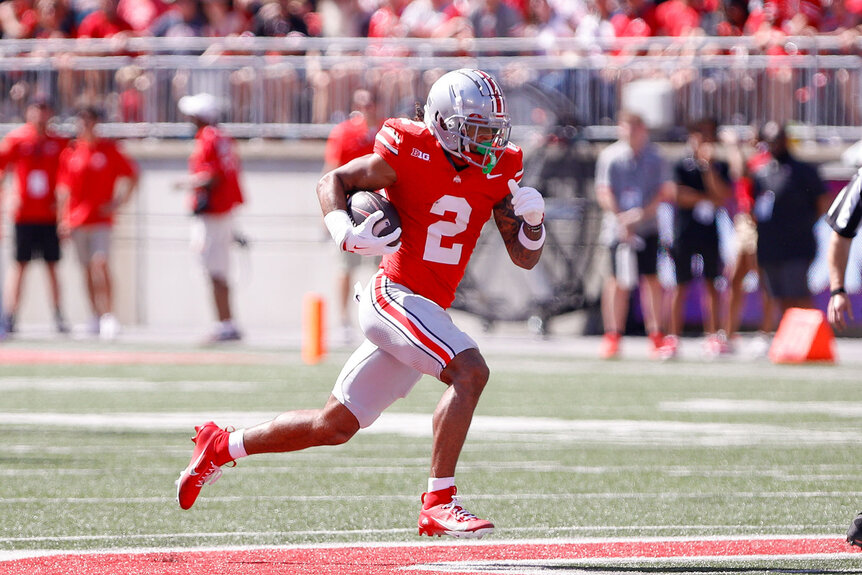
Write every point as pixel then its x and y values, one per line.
pixel 33 150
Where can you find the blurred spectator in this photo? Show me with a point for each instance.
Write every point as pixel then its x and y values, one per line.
pixel 632 180
pixel 385 21
pixel 222 19
pixel 636 19
pixel 735 18
pixel 141 13
pixel 105 22
pixel 96 178
pixel 791 17
pixel 495 19
pixel 352 138
pixel 435 19
pixel 596 24
pixel 840 16
pixel 18 18
pixel 676 18
pixel 184 19
pixel 789 197
pixel 745 233
pixel 34 151
pixel 273 18
pixel 702 187
pixel 53 20
pixel 343 18
pixel 214 171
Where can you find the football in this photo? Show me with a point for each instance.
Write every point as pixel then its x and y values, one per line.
pixel 362 204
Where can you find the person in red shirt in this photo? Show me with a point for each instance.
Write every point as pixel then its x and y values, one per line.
pixel 352 138
pixel 214 169
pixel 446 175
pixel 104 22
pixel 745 232
pixel 95 179
pixel 33 150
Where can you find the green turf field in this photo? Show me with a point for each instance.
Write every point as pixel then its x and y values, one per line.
pixel 560 448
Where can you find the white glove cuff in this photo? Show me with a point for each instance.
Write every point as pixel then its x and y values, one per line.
pixel 527 242
pixel 339 224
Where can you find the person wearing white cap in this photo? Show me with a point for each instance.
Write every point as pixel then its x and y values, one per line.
pixel 214 170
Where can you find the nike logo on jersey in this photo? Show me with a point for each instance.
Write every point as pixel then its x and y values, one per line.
pixel 492 176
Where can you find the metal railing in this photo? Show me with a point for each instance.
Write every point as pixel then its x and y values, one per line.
pixel 298 88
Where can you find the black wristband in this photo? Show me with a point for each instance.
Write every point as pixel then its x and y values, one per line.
pixel 837 291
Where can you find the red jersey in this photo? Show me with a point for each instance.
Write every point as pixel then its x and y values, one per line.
pixel 442 209
pixel 98 25
pixel 215 156
pixel 90 172
pixel 37 160
pixel 350 139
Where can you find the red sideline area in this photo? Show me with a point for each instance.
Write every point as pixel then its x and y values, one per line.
pixel 82 357
pixel 426 559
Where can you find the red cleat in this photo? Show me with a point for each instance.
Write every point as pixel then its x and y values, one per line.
pixel 202 468
pixel 610 347
pixel 451 519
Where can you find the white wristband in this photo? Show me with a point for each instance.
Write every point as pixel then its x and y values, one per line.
pixel 527 242
pixel 338 223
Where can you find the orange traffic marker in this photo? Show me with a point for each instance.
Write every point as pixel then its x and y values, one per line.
pixel 803 335
pixel 313 342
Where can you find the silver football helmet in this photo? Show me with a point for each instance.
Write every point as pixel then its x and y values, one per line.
pixel 467 112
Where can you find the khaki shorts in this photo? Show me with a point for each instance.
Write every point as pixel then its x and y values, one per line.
pixel 746 233
pixel 211 238
pixel 407 336
pixel 90 241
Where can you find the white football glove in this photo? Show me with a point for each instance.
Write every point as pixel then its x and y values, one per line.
pixel 528 203
pixel 360 239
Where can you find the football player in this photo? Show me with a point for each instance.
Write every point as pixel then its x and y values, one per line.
pixel 446 175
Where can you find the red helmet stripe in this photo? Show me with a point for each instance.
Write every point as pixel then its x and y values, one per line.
pixel 495 92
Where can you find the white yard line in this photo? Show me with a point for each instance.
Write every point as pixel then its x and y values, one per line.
pixel 529 429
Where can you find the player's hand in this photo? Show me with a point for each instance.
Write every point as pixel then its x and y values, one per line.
pixel 838 310
pixel 361 239
pixel 528 203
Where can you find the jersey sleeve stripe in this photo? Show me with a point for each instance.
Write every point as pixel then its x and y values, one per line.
pixel 389 145
pixel 408 325
pixel 845 213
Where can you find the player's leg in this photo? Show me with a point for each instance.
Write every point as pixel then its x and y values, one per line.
pixel 49 242
pixel 442 514
pixel 419 333
pixel 15 280
pixel 652 293
pixel 370 381
pixel 212 238
pixel 615 308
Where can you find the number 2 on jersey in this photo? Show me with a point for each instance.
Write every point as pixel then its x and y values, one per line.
pixel 435 251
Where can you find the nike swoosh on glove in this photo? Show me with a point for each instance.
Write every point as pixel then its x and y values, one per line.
pixel 528 203
pixel 361 239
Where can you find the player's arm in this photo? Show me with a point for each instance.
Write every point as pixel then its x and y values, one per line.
pixel 520 219
pixel 370 172
pixel 839 308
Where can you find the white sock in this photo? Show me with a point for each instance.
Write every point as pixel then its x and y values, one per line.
pixel 438 483
pixel 235 444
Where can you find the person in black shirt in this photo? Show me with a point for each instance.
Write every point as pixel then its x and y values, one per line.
pixel 789 197
pixel 702 186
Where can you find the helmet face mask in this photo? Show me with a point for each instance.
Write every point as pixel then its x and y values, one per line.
pixel 467 112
